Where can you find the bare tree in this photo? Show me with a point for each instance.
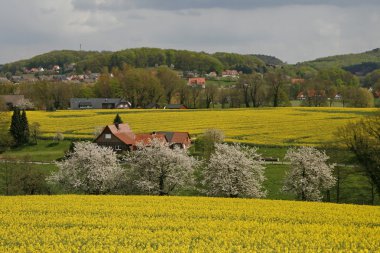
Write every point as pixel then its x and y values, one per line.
pixel 276 81
pixel 309 175
pixel 89 168
pixel 210 92
pixel 157 169
pixel 235 171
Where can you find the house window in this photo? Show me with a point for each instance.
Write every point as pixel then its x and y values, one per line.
pixel 108 136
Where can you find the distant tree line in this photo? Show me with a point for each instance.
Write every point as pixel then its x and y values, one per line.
pixel 139 58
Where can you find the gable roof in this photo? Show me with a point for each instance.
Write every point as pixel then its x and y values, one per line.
pixel 147 138
pixel 176 137
pixel 180 137
pixel 175 106
pixel 123 132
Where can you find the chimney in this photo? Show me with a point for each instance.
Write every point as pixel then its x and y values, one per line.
pixel 117 126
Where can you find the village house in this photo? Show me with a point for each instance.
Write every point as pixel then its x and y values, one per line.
pixel 212 74
pixel 230 73
pixel 99 103
pixel 197 82
pixel 120 137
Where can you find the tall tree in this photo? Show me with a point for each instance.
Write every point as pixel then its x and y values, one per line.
pixel 90 169
pixel 16 128
pixel 157 169
pixel 234 171
pixel 309 175
pixel 363 139
pixel 210 93
pixel 117 119
pixel 170 81
pixel 24 127
pixel 275 80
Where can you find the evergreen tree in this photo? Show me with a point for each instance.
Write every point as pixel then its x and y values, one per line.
pixel 16 129
pixel 117 120
pixel 24 128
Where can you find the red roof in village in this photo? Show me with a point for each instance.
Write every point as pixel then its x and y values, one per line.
pixel 124 133
pixel 120 128
pixel 197 80
pixel 229 72
pixel 180 137
pixel 127 138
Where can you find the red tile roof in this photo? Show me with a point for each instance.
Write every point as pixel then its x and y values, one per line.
pixel 147 138
pixel 197 80
pixel 123 132
pixel 181 137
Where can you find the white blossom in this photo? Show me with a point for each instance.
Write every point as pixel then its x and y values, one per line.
pixel 233 171
pixel 157 169
pixel 89 168
pixel 309 175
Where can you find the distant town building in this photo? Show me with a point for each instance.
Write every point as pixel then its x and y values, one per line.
pixel 175 106
pixel 212 74
pixel 197 82
pixel 99 103
pixel 230 73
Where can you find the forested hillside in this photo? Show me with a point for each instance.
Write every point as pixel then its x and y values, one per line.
pixel 363 62
pixel 140 58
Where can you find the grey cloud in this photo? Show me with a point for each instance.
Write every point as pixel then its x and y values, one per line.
pixel 122 5
pixel 301 31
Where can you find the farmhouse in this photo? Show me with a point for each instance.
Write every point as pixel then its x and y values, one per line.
pixel 120 137
pixel 197 82
pixel 99 103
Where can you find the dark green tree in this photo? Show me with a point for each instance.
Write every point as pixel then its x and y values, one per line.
pixel 24 128
pixel 117 119
pixel 16 128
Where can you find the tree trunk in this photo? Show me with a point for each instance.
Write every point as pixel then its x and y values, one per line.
pixel 246 98
pixel 275 97
pixel 303 196
pixel 161 186
pixel 338 185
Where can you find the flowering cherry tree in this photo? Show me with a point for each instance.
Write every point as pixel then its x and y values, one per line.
pixel 234 171
pixel 157 169
pixel 89 168
pixel 309 175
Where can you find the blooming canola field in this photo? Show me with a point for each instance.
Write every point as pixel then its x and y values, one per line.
pixel 72 223
pixel 264 126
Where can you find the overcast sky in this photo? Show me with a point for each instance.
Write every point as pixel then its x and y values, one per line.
pixel 292 30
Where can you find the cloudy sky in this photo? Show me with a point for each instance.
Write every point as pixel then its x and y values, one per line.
pixel 292 30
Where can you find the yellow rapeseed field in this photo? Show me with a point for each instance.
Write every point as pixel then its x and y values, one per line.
pixel 273 126
pixel 70 223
